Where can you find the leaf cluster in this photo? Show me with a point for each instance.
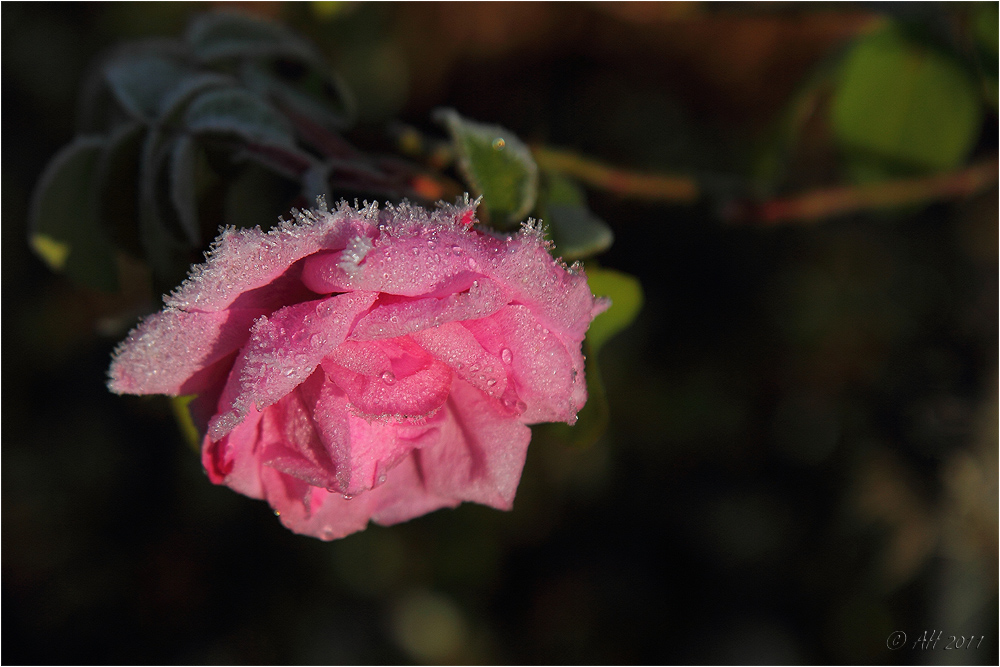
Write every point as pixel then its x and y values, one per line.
pixel 234 123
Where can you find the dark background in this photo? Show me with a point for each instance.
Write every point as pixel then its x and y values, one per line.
pixel 802 457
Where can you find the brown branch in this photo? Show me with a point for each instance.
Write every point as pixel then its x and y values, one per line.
pixel 820 204
pixel 658 187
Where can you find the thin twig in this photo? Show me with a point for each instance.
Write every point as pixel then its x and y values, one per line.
pixel 820 204
pixel 659 187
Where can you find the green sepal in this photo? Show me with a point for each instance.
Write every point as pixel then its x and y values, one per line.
pixel 495 165
pixel 182 414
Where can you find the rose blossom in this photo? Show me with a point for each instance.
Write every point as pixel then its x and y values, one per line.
pixel 368 364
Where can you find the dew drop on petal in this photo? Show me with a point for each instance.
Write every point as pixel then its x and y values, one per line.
pixel 506 355
pixel 388 377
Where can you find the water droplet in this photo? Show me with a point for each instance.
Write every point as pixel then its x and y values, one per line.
pixel 456 249
pixel 506 356
pixel 327 533
pixel 277 513
pixel 347 496
pixel 388 377
pixel 315 340
pixel 381 479
pixel 474 368
pixel 291 372
pixel 491 382
pixel 498 144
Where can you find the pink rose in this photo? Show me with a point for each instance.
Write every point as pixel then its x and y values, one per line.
pixel 368 364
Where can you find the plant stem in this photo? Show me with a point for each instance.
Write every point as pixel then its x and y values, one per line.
pixel 659 187
pixel 816 205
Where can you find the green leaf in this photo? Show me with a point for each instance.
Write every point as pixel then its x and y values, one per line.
pixel 164 251
pixel 236 111
pixel 985 18
pixel 592 420
pixel 118 181
pixel 141 82
pixel 626 296
pixel 496 165
pixel 575 230
pixel 229 35
pixel 905 105
pixel 65 226
pixel 315 93
pixel 175 100
pixel 183 190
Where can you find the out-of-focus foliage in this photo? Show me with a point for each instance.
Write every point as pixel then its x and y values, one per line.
pixel 625 294
pixel 68 233
pixel 240 114
pixel 575 230
pixel 899 103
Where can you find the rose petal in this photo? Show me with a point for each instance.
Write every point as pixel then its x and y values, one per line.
pixel 245 259
pixel 391 318
pixel 283 351
pixel 480 454
pixel 416 252
pixel 545 375
pixel 169 352
pixel 317 512
pixel 309 510
pixel 402 381
pixel 558 297
pixel 455 345
pixel 233 460
pixel 293 444
pixel 361 452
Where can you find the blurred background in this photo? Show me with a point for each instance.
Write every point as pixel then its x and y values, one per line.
pixel 802 452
